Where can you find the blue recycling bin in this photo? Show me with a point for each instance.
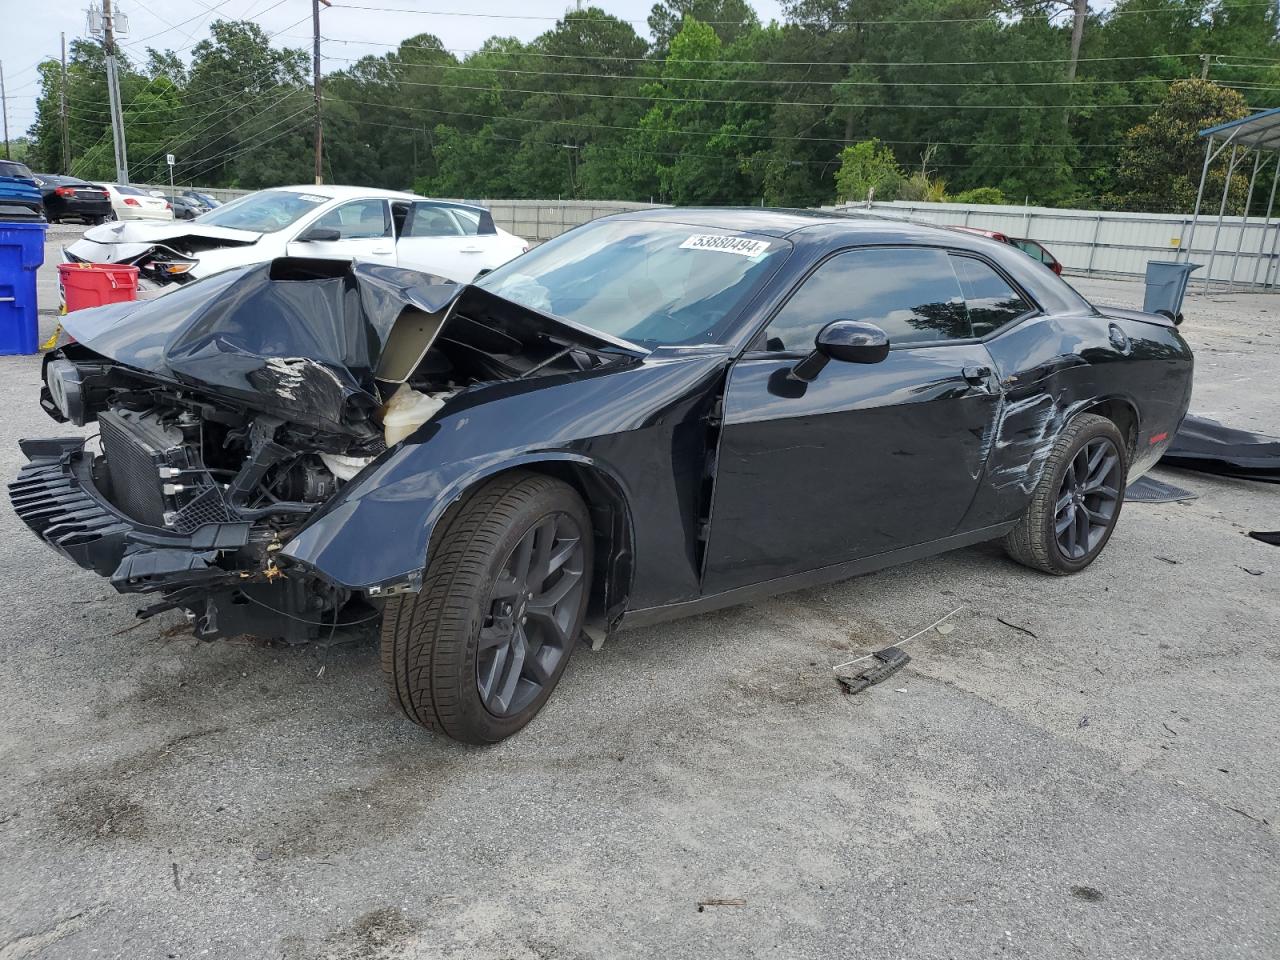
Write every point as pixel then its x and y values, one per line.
pixel 1166 286
pixel 21 253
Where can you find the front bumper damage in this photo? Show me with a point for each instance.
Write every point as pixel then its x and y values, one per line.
pixel 55 494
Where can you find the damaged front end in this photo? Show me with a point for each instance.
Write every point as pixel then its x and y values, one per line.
pixel 232 413
pixel 166 257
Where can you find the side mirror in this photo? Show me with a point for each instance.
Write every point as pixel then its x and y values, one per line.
pixel 321 235
pixel 852 341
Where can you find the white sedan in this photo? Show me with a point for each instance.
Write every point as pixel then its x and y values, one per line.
pixel 134 203
pixel 456 241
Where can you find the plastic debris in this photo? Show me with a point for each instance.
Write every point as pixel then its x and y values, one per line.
pixel 887 662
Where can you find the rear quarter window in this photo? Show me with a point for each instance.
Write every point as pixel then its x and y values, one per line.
pixel 992 301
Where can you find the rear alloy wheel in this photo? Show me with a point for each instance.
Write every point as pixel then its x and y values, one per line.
pixel 1077 502
pixel 476 653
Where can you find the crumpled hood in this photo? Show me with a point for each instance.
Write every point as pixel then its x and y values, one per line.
pixel 300 338
pixel 138 231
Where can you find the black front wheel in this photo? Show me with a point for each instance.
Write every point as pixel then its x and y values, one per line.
pixel 1075 506
pixel 476 653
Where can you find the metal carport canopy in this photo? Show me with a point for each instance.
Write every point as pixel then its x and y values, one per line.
pixel 1259 134
pixel 1258 131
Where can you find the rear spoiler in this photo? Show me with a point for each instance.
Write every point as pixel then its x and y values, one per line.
pixel 1121 313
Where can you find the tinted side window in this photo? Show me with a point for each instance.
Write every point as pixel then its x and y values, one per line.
pixel 359 220
pixel 468 221
pixel 992 302
pixel 430 220
pixel 910 292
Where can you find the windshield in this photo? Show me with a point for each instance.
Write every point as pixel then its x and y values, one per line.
pixel 264 212
pixel 652 283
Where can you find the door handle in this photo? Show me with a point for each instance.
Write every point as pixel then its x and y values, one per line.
pixel 472 250
pixel 383 252
pixel 976 375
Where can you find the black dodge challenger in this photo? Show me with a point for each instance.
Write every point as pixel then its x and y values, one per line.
pixel 656 414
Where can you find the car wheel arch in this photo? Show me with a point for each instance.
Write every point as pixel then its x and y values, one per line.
pixel 1123 413
pixel 613 527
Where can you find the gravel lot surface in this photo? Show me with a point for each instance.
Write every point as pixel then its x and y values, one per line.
pixel 1081 767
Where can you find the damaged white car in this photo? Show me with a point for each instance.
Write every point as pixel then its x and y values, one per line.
pixel 456 241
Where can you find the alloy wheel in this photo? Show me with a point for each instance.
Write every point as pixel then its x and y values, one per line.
pixel 533 605
pixel 1088 498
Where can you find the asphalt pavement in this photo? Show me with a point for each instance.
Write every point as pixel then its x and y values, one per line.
pixel 1078 767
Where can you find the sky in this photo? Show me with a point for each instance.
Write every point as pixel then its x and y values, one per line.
pixel 30 30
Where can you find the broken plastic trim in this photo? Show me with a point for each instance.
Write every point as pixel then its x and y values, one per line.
pixel 887 662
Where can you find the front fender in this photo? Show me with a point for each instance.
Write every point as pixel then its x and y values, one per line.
pixel 378 543
pixel 642 427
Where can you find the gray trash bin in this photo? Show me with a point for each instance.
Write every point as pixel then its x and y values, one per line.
pixel 1166 286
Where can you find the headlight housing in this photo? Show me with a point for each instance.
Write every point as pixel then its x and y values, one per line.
pixel 64 387
pixel 171 266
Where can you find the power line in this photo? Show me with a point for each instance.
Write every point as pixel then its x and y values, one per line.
pixel 269 74
pixel 639 78
pixel 783 103
pixel 196 130
pixel 739 158
pixel 181 23
pixel 249 145
pixel 608 126
pixel 198 158
pixel 914 64
pixel 609 19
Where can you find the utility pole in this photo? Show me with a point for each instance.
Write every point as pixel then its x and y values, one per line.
pixel 1205 60
pixel 1080 12
pixel 4 107
pixel 66 132
pixel 113 93
pixel 315 84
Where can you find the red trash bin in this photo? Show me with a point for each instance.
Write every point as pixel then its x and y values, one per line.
pixel 93 284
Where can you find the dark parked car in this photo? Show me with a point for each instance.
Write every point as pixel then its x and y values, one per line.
pixel 201 200
pixel 656 414
pixel 183 208
pixel 70 198
pixel 19 192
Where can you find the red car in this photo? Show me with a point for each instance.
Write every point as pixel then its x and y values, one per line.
pixel 1032 248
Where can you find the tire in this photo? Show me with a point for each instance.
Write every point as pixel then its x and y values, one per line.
pixel 442 648
pixel 1038 539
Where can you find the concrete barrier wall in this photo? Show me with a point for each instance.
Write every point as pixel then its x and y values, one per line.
pixel 1087 242
pixel 1099 242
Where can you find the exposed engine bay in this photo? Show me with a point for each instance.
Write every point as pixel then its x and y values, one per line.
pixel 231 412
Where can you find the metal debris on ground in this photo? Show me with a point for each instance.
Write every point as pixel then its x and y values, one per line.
pixel 888 662
pixel 1151 490
pixel 721 902
pixel 903 642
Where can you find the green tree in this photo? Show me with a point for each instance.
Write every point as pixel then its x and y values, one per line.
pixel 730 19
pixel 1163 157
pixel 867 167
pixel 992 195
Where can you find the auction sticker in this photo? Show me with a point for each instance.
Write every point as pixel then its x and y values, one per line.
pixel 742 246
